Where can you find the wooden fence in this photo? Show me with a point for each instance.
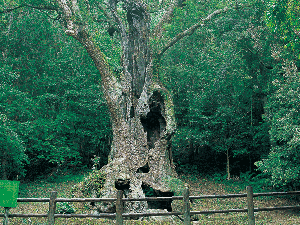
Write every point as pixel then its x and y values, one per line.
pixel 119 215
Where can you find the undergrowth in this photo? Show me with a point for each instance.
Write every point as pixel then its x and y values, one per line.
pixel 199 185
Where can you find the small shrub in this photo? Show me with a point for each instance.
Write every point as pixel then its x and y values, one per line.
pixel 176 186
pixel 220 177
pixel 64 208
pixel 90 187
pixel 246 176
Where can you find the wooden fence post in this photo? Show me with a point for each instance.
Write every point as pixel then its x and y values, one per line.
pixel 119 208
pixel 52 207
pixel 251 218
pixel 5 219
pixel 186 206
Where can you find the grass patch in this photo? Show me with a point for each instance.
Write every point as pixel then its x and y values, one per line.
pixel 198 186
pixel 215 185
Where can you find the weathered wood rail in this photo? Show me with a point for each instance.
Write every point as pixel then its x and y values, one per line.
pixel 119 215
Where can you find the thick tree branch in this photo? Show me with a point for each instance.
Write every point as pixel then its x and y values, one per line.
pixel 5 49
pixel 72 29
pixel 44 8
pixel 111 87
pixel 190 31
pixel 12 9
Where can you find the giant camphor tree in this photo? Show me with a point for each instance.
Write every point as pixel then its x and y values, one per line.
pixel 141 108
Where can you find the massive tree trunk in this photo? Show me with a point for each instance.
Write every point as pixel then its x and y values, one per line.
pixel 141 109
pixel 140 154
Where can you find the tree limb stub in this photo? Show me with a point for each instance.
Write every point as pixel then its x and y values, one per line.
pixel 191 30
pixel 157 32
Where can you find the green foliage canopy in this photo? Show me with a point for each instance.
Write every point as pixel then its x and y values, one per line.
pixel 282 164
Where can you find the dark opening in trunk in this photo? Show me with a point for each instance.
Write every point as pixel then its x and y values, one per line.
pixel 150 192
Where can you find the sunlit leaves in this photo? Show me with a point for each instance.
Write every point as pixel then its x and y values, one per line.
pixel 283 17
pixel 282 163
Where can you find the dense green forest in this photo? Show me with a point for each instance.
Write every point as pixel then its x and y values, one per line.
pixel 235 86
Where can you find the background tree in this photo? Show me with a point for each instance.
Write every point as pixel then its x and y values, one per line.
pixel 282 163
pixel 55 103
pixel 220 86
pixel 280 166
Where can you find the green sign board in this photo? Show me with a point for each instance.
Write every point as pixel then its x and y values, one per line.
pixel 9 193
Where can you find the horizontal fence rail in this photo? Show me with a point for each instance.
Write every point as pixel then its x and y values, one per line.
pixel 119 215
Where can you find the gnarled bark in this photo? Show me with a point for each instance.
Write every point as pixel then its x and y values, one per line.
pixel 141 109
pixel 140 154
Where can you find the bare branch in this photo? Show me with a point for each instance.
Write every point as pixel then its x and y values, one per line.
pixel 191 30
pixel 12 9
pixel 157 32
pixel 29 6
